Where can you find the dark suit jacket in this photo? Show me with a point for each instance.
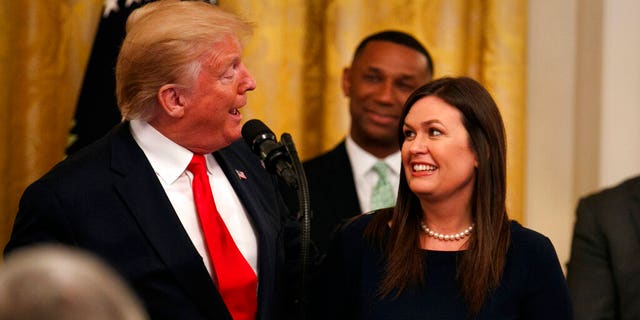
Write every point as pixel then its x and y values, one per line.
pixel 333 194
pixel 604 269
pixel 107 199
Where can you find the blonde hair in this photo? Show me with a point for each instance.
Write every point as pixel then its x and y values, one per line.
pixel 166 42
pixel 56 282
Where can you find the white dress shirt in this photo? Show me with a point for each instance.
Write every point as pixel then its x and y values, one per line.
pixel 169 161
pixel 363 175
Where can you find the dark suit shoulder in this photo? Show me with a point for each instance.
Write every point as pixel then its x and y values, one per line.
pixel 333 160
pixel 330 178
pixel 611 210
pixel 240 150
pixel 614 195
pixel 86 166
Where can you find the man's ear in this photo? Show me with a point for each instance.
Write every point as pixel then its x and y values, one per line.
pixel 172 100
pixel 346 81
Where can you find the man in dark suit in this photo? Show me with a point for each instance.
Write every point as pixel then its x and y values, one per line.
pixel 387 66
pixel 604 269
pixel 128 197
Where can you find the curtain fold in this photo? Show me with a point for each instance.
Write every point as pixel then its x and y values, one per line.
pixel 297 55
pixel 43 51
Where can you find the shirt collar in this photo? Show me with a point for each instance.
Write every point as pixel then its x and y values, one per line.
pixel 362 161
pixel 168 159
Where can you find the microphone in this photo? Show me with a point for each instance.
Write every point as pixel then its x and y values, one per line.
pixel 282 160
pixel 275 156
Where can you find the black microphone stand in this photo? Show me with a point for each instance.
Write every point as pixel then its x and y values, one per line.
pixel 305 217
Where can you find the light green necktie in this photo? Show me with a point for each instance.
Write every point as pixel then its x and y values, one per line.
pixel 382 194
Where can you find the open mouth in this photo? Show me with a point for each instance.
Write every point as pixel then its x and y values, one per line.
pixel 234 111
pixel 424 167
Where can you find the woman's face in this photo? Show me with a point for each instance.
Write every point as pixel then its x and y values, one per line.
pixel 438 161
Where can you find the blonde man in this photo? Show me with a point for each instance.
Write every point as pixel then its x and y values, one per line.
pixel 137 197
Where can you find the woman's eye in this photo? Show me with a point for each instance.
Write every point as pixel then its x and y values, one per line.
pixel 409 134
pixel 435 132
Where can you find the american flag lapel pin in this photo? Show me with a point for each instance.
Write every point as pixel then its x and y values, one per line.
pixel 241 175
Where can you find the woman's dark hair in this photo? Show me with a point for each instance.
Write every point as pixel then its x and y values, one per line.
pixel 481 265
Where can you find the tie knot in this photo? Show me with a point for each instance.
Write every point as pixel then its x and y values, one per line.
pixel 197 165
pixel 381 169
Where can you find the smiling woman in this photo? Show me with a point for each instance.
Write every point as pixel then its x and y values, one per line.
pixel 447 248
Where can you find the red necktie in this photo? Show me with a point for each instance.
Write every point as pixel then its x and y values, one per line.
pixel 237 282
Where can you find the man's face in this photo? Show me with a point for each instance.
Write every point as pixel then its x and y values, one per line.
pixel 378 83
pixel 218 93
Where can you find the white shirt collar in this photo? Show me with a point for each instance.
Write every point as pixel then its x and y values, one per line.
pixel 168 159
pixel 362 161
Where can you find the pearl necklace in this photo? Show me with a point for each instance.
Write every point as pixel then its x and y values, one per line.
pixel 446 237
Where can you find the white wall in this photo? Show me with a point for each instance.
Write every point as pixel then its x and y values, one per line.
pixel 620 140
pixel 551 85
pixel 583 107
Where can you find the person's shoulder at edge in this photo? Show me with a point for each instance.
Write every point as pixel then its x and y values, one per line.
pixel 612 194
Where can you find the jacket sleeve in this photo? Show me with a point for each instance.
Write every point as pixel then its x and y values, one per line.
pixel 589 274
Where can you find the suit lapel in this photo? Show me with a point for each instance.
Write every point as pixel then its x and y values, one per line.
pixel 349 193
pixel 145 197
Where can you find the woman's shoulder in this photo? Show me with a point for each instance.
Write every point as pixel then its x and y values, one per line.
pixel 352 232
pixel 356 225
pixel 525 241
pixel 523 235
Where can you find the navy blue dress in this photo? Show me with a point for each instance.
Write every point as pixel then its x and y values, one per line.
pixel 532 286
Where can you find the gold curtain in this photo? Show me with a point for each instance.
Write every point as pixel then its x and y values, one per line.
pixel 44 47
pixel 297 55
